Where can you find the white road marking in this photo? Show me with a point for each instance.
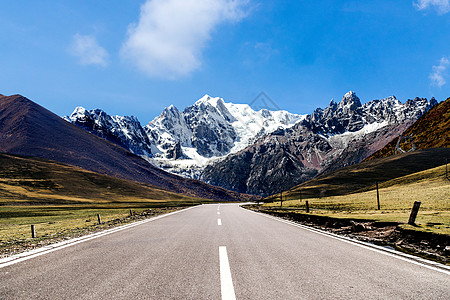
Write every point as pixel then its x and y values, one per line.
pixel 218 212
pixel 392 253
pixel 226 282
pixel 219 222
pixel 11 260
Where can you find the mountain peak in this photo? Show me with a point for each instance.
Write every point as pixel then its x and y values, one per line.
pixel 209 100
pixel 171 108
pixel 332 104
pixel 350 100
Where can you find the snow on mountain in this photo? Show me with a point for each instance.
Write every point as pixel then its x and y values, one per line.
pixel 237 147
pixel 343 133
pixel 209 130
pixel 125 131
pixel 185 142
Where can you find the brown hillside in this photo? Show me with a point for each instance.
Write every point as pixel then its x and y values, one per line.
pixel 363 176
pixel 27 180
pixel 29 129
pixel 432 130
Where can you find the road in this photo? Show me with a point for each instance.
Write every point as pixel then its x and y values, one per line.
pixel 219 252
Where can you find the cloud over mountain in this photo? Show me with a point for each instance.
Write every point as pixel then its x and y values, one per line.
pixel 438 74
pixel 442 6
pixel 88 50
pixel 168 40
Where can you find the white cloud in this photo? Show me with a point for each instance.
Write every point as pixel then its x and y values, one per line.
pixel 171 34
pixel 442 6
pixel 88 51
pixel 438 75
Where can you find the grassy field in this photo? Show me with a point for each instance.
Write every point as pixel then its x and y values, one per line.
pixel 397 197
pixel 363 176
pixel 60 199
pixel 49 220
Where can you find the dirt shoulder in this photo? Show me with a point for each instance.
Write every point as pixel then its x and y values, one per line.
pixel 431 246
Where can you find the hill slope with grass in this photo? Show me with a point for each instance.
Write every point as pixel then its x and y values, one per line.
pixel 432 130
pixel 363 176
pixel 29 129
pixel 28 181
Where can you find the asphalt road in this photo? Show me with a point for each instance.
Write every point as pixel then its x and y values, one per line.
pixel 194 255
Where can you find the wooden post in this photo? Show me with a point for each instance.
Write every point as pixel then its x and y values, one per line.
pixel 300 196
pixel 281 199
pixel 446 168
pixel 99 220
pixel 378 197
pixel 131 213
pixel 307 206
pixel 33 231
pixel 414 211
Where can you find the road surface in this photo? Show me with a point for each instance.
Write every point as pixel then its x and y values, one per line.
pixel 219 252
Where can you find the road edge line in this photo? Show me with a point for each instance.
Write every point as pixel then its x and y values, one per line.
pixel 11 260
pixel 393 253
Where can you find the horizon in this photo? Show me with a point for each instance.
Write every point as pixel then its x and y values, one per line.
pixel 138 57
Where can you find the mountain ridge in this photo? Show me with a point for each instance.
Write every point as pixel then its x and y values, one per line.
pixel 430 131
pixel 27 128
pixel 183 142
pixel 342 134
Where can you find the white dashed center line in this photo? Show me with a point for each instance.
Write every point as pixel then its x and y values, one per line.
pixel 226 283
pixel 219 222
pixel 218 212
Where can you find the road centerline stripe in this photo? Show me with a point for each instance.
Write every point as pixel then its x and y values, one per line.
pixel 219 222
pixel 226 282
pixel 218 212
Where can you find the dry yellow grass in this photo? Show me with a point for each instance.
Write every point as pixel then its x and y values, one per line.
pixel 397 197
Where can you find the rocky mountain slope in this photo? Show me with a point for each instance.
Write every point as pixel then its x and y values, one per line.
pixel 432 130
pixel 29 129
pixel 123 131
pixel 344 133
pixel 364 175
pixel 184 142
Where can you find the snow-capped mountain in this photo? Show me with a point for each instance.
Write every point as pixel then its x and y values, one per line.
pixel 124 131
pixel 185 142
pixel 341 134
pixel 209 130
pixel 259 152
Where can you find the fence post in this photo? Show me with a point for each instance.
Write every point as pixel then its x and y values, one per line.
pixel 99 219
pixel 307 206
pixel 281 199
pixel 446 168
pixel 414 211
pixel 378 197
pixel 33 231
pixel 131 213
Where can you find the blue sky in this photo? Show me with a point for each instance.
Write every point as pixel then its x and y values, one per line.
pixel 135 57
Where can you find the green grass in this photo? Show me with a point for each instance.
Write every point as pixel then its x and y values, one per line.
pixel 397 197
